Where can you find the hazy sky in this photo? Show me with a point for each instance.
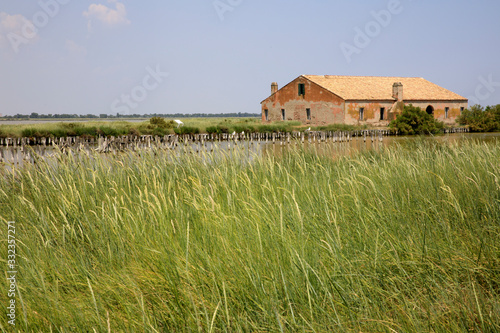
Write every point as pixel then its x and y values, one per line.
pixel 108 56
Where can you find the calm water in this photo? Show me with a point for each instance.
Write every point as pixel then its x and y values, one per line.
pixel 17 156
pixel 358 144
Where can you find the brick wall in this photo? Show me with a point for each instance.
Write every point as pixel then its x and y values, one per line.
pixel 326 108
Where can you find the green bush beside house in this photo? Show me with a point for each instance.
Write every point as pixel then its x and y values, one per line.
pixel 481 119
pixel 414 120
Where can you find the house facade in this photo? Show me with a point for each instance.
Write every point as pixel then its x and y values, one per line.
pixel 358 100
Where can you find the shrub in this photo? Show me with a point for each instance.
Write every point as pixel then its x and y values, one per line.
pixel 222 129
pixel 267 129
pixel 481 120
pixel 212 130
pixel 161 123
pixel 76 129
pixel 86 131
pixel 160 131
pixel 217 129
pixel 187 130
pixel 58 133
pixel 414 120
pixel 244 128
pixel 34 133
pixel 28 132
pixel 133 132
pixel 281 126
pixel 339 127
pixel 107 131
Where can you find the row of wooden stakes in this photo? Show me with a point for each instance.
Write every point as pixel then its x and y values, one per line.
pixel 146 141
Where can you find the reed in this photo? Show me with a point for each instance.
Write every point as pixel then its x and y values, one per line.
pixel 405 239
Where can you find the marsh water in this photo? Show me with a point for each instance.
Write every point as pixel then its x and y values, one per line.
pixel 250 149
pixel 359 144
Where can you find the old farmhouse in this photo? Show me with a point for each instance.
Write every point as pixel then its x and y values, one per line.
pixel 358 100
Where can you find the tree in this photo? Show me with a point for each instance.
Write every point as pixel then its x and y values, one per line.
pixel 481 120
pixel 413 120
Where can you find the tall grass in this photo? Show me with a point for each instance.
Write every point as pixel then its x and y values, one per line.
pixel 401 240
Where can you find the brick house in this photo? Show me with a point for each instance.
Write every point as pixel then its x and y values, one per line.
pixel 358 100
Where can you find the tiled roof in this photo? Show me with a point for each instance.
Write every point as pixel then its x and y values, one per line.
pixel 380 88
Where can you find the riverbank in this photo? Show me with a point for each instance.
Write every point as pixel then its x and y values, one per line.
pixel 399 239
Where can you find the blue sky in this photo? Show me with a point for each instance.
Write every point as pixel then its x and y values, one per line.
pixel 213 56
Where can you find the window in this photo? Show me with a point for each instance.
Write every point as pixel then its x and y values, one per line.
pixel 283 114
pixel 266 114
pixel 308 114
pixel 382 113
pixel 462 110
pixel 446 110
pixel 361 113
pixel 302 89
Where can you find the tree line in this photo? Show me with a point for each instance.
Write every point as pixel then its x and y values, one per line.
pixel 35 115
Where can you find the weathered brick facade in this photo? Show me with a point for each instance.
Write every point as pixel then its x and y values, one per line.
pixel 320 100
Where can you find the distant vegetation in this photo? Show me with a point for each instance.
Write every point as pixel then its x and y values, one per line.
pixel 187 130
pixel 251 127
pixel 399 240
pixel 480 119
pixel 413 120
pixel 154 126
pixel 158 125
pixel 132 116
pixel 339 127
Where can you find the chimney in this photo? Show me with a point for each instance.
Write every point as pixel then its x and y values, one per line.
pixel 274 88
pixel 397 91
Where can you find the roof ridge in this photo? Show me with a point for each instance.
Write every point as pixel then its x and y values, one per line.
pixel 380 87
pixel 358 76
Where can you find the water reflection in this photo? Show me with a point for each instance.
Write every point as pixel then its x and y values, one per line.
pixel 10 156
pixel 358 144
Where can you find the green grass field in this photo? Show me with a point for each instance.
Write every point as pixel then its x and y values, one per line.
pixel 72 128
pixel 406 239
pixel 117 128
